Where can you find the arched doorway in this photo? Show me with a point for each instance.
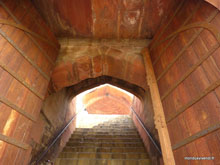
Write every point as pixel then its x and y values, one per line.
pixel 57 105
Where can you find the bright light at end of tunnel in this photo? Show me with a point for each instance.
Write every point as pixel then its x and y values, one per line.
pixel 81 106
pixel 106 100
pixel 79 98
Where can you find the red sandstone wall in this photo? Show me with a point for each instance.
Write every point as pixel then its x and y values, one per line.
pixel 187 69
pixel 67 134
pixel 145 111
pixel 81 59
pixel 26 63
pixel 57 110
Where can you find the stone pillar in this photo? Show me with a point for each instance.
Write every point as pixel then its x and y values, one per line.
pixel 159 117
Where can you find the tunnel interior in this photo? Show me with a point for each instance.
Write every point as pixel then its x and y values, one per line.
pixel 102 95
pixel 51 51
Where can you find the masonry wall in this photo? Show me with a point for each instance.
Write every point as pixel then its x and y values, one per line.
pixel 57 110
pixel 144 110
pixel 81 59
pixel 187 69
pixel 26 62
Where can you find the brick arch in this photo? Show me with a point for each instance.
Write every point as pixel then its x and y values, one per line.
pixel 77 63
pixel 60 107
pixel 71 73
pixel 90 83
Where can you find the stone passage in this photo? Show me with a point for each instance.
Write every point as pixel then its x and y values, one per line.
pixel 114 141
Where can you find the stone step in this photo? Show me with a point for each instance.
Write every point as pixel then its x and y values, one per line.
pixel 105 149
pixel 100 144
pixel 65 161
pixel 123 124
pixel 74 135
pixel 106 129
pixel 113 127
pixel 118 122
pixel 105 155
pixel 105 133
pixel 116 125
pixel 121 119
pixel 111 142
pixel 126 119
pixel 78 136
pixel 115 140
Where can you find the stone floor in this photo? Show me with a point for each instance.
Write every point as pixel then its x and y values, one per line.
pixel 104 140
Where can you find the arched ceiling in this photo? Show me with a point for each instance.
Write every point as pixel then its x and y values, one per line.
pixel 104 18
pixel 90 83
pixel 107 100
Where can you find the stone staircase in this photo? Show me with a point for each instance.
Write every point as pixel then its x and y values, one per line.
pixel 112 142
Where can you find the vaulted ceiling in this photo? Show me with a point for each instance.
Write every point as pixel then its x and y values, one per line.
pixel 107 99
pixel 104 18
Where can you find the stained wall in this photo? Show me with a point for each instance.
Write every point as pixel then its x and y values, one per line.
pixel 81 59
pixel 144 110
pixel 113 19
pixel 57 111
pixel 26 63
pixel 187 70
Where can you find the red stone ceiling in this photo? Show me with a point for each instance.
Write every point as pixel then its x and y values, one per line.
pixel 104 18
pixel 107 100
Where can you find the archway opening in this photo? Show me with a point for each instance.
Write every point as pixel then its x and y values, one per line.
pixel 60 107
pixel 104 100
